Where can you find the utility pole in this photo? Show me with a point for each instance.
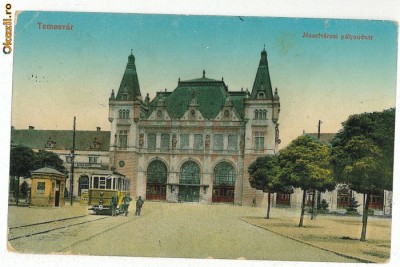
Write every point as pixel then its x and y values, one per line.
pixel 71 181
pixel 316 193
pixel 319 129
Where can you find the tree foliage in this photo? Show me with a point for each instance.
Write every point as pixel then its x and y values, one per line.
pixel 264 175
pixel 21 161
pixel 45 158
pixel 305 163
pixel 366 139
pixel 352 207
pixel 363 155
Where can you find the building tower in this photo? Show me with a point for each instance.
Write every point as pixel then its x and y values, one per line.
pixel 124 115
pixel 262 129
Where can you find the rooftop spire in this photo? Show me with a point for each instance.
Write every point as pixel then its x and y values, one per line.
pixel 262 83
pixel 129 88
pixel 204 73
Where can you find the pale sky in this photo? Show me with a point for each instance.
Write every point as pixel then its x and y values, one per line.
pixel 59 74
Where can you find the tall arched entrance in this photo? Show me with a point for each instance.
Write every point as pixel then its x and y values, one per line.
pixel 224 183
pixel 189 182
pixel 156 181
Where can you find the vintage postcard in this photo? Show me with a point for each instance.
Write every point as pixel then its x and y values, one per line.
pixel 246 139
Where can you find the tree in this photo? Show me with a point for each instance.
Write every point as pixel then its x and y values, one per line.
pixel 264 175
pixel 24 188
pixel 323 207
pixel 21 163
pixel 305 163
pixel 352 207
pixel 45 158
pixel 363 155
pixel 23 160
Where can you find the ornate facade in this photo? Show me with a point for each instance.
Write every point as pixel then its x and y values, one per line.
pixel 193 144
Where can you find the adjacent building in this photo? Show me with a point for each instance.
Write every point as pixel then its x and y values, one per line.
pixel 91 151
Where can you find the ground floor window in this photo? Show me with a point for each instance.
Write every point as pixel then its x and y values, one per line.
pixel 83 184
pixel 376 201
pixel 343 197
pixel 282 199
pixel 310 194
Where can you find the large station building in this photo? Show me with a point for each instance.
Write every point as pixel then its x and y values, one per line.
pixel 193 144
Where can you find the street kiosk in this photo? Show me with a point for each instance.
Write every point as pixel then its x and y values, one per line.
pixel 48 187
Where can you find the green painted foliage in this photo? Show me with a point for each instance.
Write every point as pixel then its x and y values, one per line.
pixel 45 158
pixel 363 152
pixel 264 175
pixel 23 160
pixel 305 163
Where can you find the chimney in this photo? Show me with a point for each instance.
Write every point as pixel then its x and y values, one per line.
pixel 98 129
pixel 31 128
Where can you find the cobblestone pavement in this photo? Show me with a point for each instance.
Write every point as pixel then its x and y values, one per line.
pixel 197 231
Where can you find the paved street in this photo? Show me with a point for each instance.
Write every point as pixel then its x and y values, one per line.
pixel 194 231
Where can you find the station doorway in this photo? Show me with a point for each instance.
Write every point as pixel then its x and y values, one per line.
pixel 189 182
pixel 224 183
pixel 156 181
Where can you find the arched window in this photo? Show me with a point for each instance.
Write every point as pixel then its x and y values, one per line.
pixel 120 114
pixel 157 172
pixel 256 114
pixel 127 113
pixel 190 173
pixel 264 114
pixel 224 174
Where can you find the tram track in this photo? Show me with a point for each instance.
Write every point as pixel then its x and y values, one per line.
pixel 63 234
pixel 88 238
pixel 28 230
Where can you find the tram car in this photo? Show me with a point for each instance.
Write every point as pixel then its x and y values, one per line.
pixel 102 187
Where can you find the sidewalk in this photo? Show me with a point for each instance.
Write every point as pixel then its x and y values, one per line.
pixel 338 234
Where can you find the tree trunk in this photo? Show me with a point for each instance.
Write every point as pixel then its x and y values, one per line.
pixel 18 190
pixel 269 204
pixel 302 208
pixel 365 217
pixel 312 205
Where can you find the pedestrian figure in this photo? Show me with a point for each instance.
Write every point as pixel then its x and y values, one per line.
pixel 126 200
pixel 114 203
pixel 139 204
